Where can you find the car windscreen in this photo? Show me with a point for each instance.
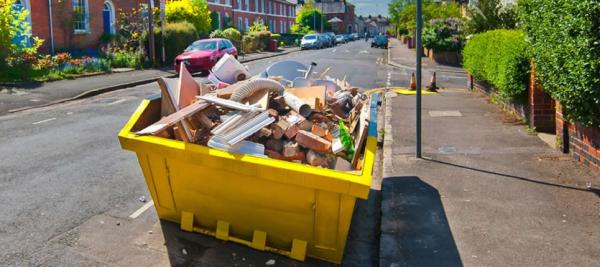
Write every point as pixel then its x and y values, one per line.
pixel 310 37
pixel 202 46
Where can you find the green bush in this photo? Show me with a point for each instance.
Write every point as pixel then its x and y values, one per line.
pixel 256 41
pixel 290 39
pixel 499 57
pixel 192 11
pixel 178 36
pixel 564 39
pixel 443 35
pixel 233 35
pixel 126 59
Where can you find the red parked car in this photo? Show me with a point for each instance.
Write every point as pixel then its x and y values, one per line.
pixel 202 55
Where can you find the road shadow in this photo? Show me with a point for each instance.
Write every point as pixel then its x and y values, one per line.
pixel 414 227
pixel 202 250
pixel 596 191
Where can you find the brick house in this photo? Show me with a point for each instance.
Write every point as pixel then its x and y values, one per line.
pixel 58 21
pixel 340 9
pixel 54 21
pixel 279 15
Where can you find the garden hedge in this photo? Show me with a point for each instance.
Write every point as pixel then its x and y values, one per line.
pixel 564 37
pixel 499 57
pixel 178 36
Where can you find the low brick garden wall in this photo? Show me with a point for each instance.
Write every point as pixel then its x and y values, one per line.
pixel 581 142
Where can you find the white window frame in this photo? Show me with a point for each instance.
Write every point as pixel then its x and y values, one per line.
pixel 86 16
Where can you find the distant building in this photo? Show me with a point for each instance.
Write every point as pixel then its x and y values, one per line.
pixel 374 25
pixel 278 15
pixel 341 9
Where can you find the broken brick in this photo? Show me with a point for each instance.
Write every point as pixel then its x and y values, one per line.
pixel 292 131
pixel 274 144
pixel 291 149
pixel 312 141
pixel 279 128
pixel 318 130
pixel 273 154
pixel 316 159
pixel 264 132
pixel 298 158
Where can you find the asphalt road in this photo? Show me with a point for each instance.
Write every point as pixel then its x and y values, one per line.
pixel 67 187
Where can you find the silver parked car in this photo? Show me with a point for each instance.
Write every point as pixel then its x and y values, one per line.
pixel 311 41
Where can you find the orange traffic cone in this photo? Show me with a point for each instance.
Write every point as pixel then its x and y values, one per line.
pixel 413 84
pixel 433 85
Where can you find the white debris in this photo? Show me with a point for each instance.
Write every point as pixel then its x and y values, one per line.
pixel 270 262
pixel 184 252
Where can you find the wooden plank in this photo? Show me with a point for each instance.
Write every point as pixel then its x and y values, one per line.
pixel 174 119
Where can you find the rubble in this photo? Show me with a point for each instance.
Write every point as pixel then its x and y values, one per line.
pixel 281 114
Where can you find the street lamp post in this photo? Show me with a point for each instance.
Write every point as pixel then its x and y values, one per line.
pixel 419 54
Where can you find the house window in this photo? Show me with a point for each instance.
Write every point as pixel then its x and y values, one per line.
pixel 247 26
pixel 262 3
pixel 255 5
pixel 240 23
pixel 81 16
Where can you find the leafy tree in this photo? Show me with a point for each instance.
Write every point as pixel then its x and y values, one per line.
pixel 487 15
pixel 192 11
pixel 15 32
pixel 309 19
pixel 407 16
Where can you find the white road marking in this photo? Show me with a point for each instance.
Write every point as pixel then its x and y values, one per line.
pixel 363 52
pixel 333 51
pixel 117 102
pixel 141 210
pixel 42 121
pixel 347 51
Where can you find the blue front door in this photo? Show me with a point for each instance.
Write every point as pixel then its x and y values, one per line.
pixel 106 17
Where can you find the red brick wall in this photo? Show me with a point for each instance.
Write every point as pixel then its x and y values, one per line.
pixel 64 38
pixel 541 106
pixel 581 142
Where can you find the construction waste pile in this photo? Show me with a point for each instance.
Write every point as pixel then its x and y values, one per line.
pixel 282 113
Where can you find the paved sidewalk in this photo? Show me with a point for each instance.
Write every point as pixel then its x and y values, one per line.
pixel 488 193
pixel 402 57
pixel 40 94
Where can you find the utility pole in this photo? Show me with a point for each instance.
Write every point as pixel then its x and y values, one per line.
pixel 162 32
pixel 322 18
pixel 419 54
pixel 151 32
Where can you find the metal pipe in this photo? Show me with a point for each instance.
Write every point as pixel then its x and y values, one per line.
pixel 419 55
pixel 50 25
pixel 297 104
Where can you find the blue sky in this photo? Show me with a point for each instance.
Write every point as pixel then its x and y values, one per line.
pixel 373 7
